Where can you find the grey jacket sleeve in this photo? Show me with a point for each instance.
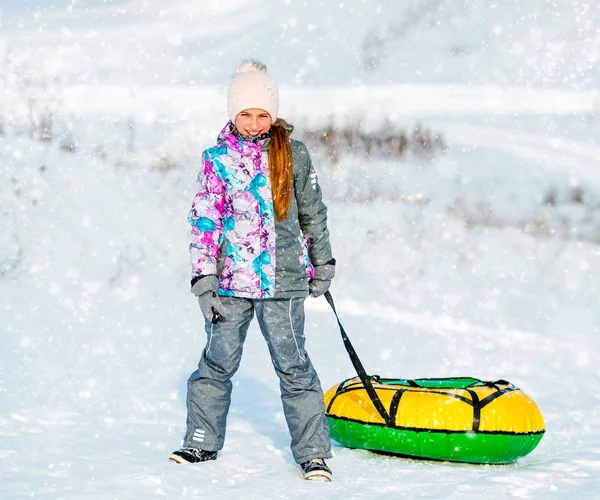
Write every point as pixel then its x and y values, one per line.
pixel 312 212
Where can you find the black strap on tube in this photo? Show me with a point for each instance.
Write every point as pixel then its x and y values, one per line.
pixel 362 374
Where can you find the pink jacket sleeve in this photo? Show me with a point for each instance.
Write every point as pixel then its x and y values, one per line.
pixel 206 219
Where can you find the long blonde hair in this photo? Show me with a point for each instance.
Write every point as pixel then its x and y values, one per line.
pixel 280 168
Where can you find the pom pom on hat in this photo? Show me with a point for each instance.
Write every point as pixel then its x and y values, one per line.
pixel 252 87
pixel 251 65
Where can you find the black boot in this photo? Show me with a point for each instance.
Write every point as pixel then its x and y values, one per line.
pixel 316 470
pixel 192 456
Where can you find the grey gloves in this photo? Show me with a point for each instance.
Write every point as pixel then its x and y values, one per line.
pixel 319 284
pixel 206 288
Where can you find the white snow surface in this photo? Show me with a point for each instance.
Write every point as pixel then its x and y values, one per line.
pixel 549 43
pixel 98 330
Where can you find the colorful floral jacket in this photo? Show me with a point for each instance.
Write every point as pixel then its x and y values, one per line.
pixel 234 232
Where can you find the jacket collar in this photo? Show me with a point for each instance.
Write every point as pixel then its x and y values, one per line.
pixel 239 142
pixel 249 138
pixel 228 138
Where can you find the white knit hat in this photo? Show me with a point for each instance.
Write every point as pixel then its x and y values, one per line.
pixel 251 87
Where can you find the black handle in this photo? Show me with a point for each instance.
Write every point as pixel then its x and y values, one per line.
pixel 216 317
pixel 360 370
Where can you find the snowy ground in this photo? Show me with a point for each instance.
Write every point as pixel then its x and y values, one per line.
pixel 98 331
pixel 99 334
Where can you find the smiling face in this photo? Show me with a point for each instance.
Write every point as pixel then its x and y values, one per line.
pixel 253 122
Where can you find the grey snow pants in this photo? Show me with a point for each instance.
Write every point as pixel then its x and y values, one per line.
pixel 209 388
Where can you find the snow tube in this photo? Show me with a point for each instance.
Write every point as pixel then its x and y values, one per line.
pixel 456 419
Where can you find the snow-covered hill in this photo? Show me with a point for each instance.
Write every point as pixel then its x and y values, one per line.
pixel 483 262
pixel 99 333
pixel 539 43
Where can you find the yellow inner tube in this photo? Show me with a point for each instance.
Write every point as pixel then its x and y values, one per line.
pixel 489 407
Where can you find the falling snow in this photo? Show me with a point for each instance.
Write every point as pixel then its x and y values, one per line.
pixel 482 261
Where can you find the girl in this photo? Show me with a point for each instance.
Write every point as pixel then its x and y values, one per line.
pixel 260 245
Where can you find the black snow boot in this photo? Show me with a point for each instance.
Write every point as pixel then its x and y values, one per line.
pixel 316 470
pixel 192 456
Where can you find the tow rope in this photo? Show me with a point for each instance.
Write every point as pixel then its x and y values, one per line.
pixel 360 370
